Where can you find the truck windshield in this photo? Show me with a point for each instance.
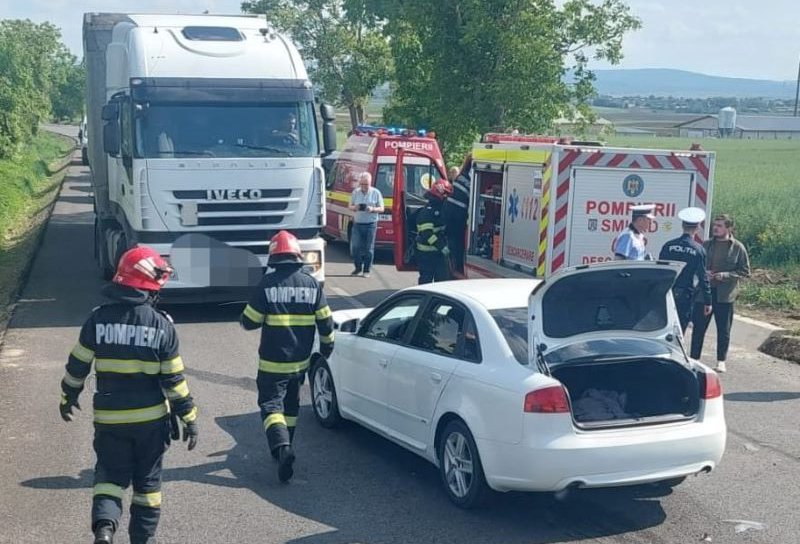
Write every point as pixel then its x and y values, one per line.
pixel 419 178
pixel 226 131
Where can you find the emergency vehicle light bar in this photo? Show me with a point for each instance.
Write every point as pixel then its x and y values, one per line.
pixel 373 130
pixel 500 138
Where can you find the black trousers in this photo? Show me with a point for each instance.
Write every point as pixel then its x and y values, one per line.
pixel 723 318
pixel 279 401
pixel 126 454
pixel 683 304
pixel 432 266
pixel 456 226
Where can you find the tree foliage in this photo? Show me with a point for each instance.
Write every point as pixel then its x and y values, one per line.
pixel 348 55
pixel 36 71
pixel 465 67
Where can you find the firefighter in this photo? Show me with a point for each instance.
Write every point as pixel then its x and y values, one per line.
pixel 631 245
pixel 287 306
pixel 142 398
pixel 432 253
pixel 454 211
pixel 693 277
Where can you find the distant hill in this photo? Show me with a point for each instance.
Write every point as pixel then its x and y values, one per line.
pixel 680 83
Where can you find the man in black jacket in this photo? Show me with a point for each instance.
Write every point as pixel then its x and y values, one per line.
pixel 288 306
pixel 141 392
pixel 432 252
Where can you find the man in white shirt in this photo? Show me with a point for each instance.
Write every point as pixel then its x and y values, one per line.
pixel 367 203
pixel 631 245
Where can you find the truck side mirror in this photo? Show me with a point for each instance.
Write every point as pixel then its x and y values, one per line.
pixel 111 138
pixel 329 137
pixel 327 113
pixel 110 111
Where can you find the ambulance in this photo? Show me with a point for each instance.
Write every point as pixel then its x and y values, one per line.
pixel 375 149
pixel 539 204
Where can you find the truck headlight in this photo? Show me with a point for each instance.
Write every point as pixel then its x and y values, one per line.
pixel 311 257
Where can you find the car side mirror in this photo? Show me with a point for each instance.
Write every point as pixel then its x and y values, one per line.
pixel 349 326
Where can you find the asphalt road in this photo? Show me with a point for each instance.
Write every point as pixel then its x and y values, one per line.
pixel 350 486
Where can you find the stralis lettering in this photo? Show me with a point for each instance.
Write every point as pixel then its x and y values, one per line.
pixel 291 294
pixel 623 208
pixel 405 144
pixel 128 335
pixel 233 194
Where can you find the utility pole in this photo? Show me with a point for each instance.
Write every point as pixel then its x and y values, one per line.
pixel 797 92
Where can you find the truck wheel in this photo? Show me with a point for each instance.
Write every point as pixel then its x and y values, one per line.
pixel 101 251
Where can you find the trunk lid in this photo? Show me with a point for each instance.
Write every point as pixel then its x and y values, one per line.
pixel 618 299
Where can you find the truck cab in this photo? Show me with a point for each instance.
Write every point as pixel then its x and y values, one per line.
pixel 375 150
pixel 210 145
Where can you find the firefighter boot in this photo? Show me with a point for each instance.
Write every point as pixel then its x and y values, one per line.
pixel 285 462
pixel 104 533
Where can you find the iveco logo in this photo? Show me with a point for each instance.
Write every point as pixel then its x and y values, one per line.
pixel 233 194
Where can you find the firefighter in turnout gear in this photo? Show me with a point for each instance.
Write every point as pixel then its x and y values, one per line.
pixel 432 253
pixel 140 394
pixel 288 306
pixel 693 277
pixel 454 211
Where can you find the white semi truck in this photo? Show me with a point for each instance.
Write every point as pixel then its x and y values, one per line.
pixel 205 143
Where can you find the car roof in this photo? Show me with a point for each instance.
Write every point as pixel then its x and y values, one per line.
pixel 492 294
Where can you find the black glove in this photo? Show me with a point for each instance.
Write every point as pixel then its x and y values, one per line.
pixel 67 403
pixel 326 350
pixel 189 430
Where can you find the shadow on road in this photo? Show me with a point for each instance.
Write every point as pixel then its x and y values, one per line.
pixel 762 396
pixel 370 490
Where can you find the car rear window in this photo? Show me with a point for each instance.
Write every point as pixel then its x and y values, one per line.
pixel 513 323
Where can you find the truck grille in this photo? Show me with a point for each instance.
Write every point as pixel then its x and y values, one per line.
pixel 272 208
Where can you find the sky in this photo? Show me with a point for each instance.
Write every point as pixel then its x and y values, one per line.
pixel 737 38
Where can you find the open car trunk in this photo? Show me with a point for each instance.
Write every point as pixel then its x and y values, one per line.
pixel 629 391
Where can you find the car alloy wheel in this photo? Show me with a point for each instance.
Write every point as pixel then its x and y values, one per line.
pixel 460 466
pixel 323 395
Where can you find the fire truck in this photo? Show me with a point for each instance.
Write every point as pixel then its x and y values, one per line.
pixel 375 149
pixel 539 204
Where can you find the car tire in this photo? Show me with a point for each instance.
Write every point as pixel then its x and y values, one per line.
pixel 323 395
pixel 460 467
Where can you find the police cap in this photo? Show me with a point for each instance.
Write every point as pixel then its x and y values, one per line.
pixel 692 217
pixel 643 210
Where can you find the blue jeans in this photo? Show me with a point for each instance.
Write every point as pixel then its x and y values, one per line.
pixel 362 245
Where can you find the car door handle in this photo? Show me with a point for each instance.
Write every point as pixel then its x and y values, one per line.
pixel 436 377
pixel 383 362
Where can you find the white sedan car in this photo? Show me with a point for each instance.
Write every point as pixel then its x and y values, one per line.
pixel 508 384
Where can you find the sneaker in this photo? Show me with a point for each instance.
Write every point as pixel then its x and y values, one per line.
pixel 285 462
pixel 365 274
pixel 355 272
pixel 721 367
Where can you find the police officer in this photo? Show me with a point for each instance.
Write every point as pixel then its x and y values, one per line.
pixel 455 210
pixel 287 306
pixel 631 244
pixel 693 276
pixel 134 348
pixel 432 253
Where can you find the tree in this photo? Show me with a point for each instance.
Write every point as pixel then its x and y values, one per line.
pixel 33 64
pixel 465 67
pixel 67 94
pixel 347 55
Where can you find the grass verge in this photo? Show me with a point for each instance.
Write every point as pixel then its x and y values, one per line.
pixel 29 184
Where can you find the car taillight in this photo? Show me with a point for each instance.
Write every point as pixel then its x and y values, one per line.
pixel 549 400
pixel 713 388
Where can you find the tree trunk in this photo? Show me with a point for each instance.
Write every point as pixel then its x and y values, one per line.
pixel 354 122
pixel 360 113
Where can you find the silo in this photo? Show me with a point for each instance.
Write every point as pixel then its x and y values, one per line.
pixel 726 121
